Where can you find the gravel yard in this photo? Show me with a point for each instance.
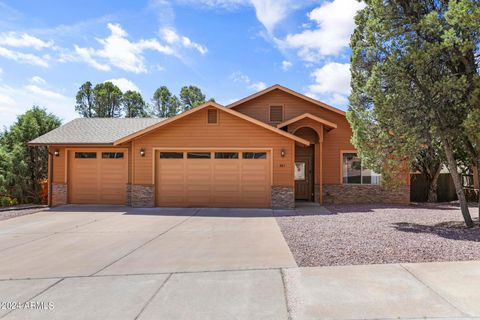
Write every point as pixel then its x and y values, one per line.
pixel 7 214
pixel 373 234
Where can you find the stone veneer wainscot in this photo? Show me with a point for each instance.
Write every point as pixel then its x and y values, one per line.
pixel 363 193
pixel 283 198
pixel 59 194
pixel 142 196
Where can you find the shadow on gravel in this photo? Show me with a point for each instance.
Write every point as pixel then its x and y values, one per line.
pixel 454 230
pixel 350 208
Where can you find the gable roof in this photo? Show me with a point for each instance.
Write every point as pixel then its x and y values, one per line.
pixel 326 123
pixel 289 91
pixel 221 108
pixel 92 131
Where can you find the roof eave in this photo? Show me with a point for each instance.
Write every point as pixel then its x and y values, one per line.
pixel 39 144
pixel 290 91
pixel 221 108
pixel 326 123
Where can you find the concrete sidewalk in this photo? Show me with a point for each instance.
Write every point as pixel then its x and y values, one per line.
pixel 398 291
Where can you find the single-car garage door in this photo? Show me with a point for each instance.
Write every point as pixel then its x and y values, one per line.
pixel 97 177
pixel 213 178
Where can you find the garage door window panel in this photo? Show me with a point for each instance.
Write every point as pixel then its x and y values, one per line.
pixel 226 155
pixel 199 155
pixel 254 155
pixel 85 155
pixel 112 155
pixel 171 155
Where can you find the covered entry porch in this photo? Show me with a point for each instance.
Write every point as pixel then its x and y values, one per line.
pixel 308 164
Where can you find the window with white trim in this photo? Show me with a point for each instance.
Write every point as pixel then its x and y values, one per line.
pixel 354 173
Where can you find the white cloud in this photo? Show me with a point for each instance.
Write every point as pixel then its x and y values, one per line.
pixel 16 40
pixel 335 23
pixel 252 85
pixel 271 12
pixel 239 77
pixel 124 84
pixel 286 65
pixel 268 12
pixel 169 35
pixel 37 80
pixel 120 52
pixel 224 4
pixel 45 93
pixel 27 58
pixel 85 54
pixel 5 98
pixel 258 86
pixel 172 38
pixel 15 101
pixel 332 79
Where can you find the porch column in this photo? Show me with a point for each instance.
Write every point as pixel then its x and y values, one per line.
pixel 320 142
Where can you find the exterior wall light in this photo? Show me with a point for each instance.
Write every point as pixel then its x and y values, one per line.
pixel 142 152
pixel 282 153
pixel 56 153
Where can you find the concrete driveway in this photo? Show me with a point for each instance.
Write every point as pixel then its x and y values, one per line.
pixel 85 262
pixel 90 240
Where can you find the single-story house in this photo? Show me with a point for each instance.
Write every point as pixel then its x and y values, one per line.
pixel 270 149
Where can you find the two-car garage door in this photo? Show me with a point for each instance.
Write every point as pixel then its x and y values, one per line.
pixel 213 178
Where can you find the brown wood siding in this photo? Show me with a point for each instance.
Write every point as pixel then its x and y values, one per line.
pixel 231 132
pixel 58 165
pixel 334 140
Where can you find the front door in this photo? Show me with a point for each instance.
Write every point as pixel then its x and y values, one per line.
pixel 304 173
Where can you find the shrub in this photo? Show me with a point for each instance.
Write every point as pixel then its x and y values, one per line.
pixel 4 201
pixel 7 201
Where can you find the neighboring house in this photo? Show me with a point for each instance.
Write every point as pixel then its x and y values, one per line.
pixel 266 150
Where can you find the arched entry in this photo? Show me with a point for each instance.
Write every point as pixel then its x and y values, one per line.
pixel 305 159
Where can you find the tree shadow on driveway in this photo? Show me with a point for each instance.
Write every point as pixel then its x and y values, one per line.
pixel 454 230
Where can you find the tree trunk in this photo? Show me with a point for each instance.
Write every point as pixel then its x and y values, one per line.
pixel 433 186
pixel 476 176
pixel 476 179
pixel 452 166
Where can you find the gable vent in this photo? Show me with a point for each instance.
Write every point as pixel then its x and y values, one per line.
pixel 212 116
pixel 276 114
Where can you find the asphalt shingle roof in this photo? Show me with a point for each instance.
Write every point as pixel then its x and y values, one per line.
pixel 95 130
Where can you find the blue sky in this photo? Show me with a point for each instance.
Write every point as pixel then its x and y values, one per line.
pixel 229 48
